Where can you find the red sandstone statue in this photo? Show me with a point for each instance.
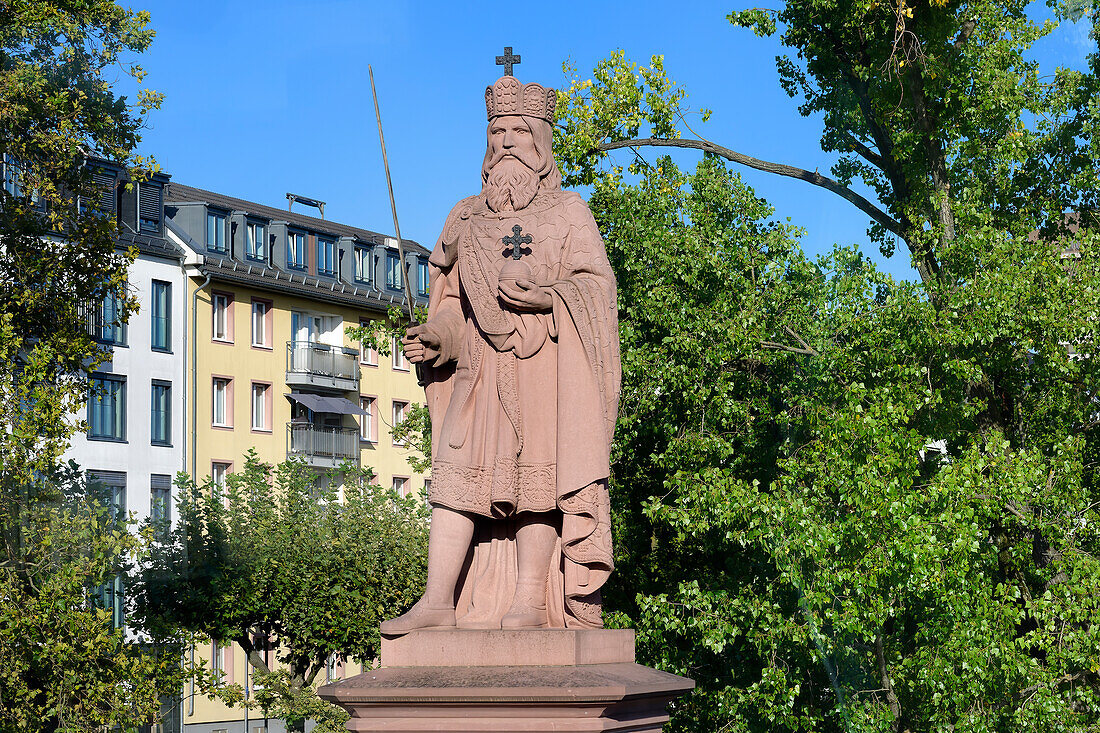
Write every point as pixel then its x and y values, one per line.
pixel 520 353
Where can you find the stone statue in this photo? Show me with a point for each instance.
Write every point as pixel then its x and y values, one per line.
pixel 520 354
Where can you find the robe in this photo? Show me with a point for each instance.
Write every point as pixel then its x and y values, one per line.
pixel 523 405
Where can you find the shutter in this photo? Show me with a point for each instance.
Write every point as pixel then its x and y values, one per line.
pixel 105 182
pixel 159 481
pixel 149 202
pixel 109 478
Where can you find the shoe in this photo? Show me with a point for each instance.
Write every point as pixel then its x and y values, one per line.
pixel 419 617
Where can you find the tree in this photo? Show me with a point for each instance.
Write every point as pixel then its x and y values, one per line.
pixel 278 559
pixel 845 502
pixel 65 665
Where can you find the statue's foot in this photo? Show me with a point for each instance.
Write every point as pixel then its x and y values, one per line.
pixel 420 616
pixel 525 617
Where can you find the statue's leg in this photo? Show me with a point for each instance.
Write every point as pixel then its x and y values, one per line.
pixel 448 543
pixel 535 537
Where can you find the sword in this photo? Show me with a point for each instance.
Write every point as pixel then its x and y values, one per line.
pixel 396 227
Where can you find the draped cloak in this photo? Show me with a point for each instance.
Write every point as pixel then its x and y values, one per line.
pixel 523 405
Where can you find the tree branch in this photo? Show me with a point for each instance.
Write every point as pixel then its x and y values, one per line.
pixel 887 684
pixel 865 152
pixel 791 171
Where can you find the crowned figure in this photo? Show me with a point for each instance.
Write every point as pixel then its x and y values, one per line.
pixel 520 355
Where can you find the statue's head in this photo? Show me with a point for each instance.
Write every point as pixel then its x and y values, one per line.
pixel 519 155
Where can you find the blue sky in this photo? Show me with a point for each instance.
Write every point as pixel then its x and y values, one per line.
pixel 265 98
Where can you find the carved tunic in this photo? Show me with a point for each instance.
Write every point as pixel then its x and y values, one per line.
pixel 523 405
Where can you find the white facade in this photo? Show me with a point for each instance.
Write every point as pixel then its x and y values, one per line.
pixel 137 455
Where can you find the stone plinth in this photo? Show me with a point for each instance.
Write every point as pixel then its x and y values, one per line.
pixel 508 681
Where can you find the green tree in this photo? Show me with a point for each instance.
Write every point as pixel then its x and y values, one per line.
pixel 310 566
pixel 65 666
pixel 845 502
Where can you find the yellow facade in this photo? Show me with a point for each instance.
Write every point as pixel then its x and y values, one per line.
pixel 235 358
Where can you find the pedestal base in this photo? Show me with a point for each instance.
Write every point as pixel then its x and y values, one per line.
pixel 423 687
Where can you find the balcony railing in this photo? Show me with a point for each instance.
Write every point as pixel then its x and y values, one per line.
pixel 309 363
pixel 322 446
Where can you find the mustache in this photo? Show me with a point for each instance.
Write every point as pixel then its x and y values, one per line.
pixel 508 154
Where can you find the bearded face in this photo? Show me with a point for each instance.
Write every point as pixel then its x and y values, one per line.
pixel 518 162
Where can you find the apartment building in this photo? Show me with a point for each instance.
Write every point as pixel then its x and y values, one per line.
pixel 271 295
pixel 135 413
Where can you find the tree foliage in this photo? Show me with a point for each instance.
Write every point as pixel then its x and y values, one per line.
pixel 279 558
pixel 64 666
pixel 846 502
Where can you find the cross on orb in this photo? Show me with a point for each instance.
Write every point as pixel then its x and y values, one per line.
pixel 515 243
pixel 507 60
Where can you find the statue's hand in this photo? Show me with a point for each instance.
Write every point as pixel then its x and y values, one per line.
pixel 525 294
pixel 421 343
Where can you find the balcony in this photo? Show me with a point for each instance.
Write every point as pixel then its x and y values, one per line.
pixel 322 447
pixel 310 364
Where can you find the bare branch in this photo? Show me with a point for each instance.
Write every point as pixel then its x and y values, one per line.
pixel 965 32
pixel 864 152
pixel 791 171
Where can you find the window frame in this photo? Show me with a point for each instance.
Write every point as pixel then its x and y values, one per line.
pixel 267 405
pixel 252 252
pixel 368 355
pixel 215 224
pixel 398 362
pixel 161 384
pixel 227 404
pixel 395 276
pixel 227 298
pixel 329 245
pixel 403 490
pixel 394 421
pixel 166 288
pixel 293 236
pixel 100 326
pixel 266 342
pixel 422 277
pixel 119 401
pixel 362 264
pixel 368 424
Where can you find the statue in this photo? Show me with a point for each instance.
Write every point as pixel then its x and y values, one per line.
pixel 520 358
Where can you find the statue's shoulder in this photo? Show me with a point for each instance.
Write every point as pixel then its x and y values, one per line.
pixel 452 227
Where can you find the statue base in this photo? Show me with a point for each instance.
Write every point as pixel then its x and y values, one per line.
pixel 508 681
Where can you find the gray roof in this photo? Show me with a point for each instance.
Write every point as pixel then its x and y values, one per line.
pixel 149 244
pixel 178 193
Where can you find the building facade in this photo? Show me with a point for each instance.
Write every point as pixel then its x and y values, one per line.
pixel 272 366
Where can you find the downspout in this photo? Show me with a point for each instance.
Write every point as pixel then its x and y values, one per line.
pixel 195 377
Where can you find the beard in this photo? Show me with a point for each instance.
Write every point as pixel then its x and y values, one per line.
pixel 511 185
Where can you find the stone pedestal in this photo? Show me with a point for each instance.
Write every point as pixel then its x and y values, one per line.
pixel 463 681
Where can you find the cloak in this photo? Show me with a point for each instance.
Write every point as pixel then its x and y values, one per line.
pixel 523 405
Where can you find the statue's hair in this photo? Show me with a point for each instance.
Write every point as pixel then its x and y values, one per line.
pixel 543 136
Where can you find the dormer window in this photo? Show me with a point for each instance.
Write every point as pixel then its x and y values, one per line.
pixel 326 260
pixel 255 242
pixel 215 232
pixel 362 265
pixel 149 206
pixel 393 271
pixel 295 251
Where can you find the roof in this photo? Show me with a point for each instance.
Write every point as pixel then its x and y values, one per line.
pixel 149 244
pixel 179 194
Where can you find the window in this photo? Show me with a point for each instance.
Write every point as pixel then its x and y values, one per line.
pixel 399 361
pixel 326 256
pixel 401 485
pixel 223 317
pixel 160 503
pixel 109 597
pixel 261 406
pixel 223 402
pixel 107 408
pixel 399 410
pixel 161 309
pixel 107 325
pixel 296 251
pixel 393 271
pixel 219 474
pixel 422 277
pixel 334 668
pixel 149 195
pixel 111 486
pixel 217 662
pixel 255 246
pixel 161 430
pixel 367 355
pixel 368 423
pixel 427 487
pixel 215 232
pixel 261 314
pixel 362 264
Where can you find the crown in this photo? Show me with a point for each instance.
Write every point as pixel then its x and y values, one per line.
pixel 509 97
